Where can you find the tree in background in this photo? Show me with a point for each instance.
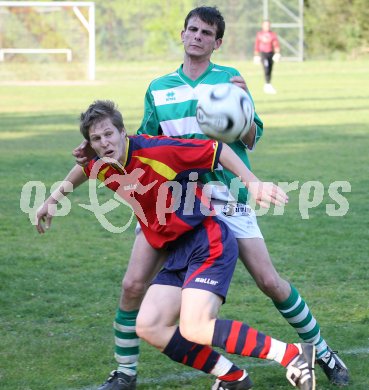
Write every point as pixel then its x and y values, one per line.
pixel 335 26
pixel 140 29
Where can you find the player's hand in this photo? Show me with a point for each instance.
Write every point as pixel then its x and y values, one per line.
pixel 266 193
pixel 257 60
pixel 239 81
pixel 83 153
pixel 44 217
pixel 276 57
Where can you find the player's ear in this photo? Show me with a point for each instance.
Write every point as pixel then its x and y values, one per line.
pixel 218 43
pixel 182 33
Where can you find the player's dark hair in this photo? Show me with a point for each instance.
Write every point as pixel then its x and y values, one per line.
pixel 97 112
pixel 209 15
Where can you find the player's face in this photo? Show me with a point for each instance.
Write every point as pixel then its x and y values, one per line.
pixel 199 39
pixel 266 26
pixel 107 141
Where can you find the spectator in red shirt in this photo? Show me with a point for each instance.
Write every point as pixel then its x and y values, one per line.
pixel 267 51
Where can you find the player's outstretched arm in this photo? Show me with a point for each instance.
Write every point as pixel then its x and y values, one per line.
pixel 263 192
pixel 47 210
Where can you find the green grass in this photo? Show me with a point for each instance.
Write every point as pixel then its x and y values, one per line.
pixel 59 292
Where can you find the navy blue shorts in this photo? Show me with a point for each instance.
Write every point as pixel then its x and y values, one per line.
pixel 204 258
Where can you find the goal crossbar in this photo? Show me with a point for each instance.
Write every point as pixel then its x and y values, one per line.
pixel 67 52
pixel 47 3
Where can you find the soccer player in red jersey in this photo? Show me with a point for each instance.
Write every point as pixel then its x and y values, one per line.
pixel 152 174
pixel 170 104
pixel 266 51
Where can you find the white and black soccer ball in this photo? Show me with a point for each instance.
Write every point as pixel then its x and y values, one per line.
pixel 225 112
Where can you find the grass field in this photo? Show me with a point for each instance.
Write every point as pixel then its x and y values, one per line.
pixel 59 292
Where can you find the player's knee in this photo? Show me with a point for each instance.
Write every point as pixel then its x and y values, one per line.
pixel 133 288
pixel 188 332
pixel 192 331
pixel 146 329
pixel 151 331
pixel 267 283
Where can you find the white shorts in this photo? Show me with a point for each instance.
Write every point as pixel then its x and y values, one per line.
pixel 239 217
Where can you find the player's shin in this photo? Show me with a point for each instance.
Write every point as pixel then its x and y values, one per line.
pixel 239 338
pixel 126 341
pixel 297 313
pixel 202 358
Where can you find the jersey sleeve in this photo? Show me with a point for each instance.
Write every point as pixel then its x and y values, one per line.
pixel 87 169
pixel 257 43
pixel 259 129
pixel 199 156
pixel 150 123
pixel 258 122
pixel 177 158
pixel 275 43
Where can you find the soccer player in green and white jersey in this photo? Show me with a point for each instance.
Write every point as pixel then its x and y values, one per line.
pixel 170 105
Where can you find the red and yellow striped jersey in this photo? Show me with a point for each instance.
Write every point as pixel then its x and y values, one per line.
pixel 158 179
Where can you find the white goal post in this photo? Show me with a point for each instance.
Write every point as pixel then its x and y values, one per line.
pixel 88 24
pixel 293 15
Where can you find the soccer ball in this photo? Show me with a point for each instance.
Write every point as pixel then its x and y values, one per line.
pixel 225 112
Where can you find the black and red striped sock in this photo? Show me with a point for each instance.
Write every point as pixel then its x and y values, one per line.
pixel 201 357
pixel 238 338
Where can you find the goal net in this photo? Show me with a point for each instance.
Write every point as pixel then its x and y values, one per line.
pixel 47 41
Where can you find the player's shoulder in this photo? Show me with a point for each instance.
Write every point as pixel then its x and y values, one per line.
pixel 225 69
pixel 162 82
pixel 146 140
pixel 139 141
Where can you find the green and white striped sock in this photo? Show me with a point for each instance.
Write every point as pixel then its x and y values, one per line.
pixel 126 341
pixel 297 313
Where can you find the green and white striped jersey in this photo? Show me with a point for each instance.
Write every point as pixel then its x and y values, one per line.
pixel 170 109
